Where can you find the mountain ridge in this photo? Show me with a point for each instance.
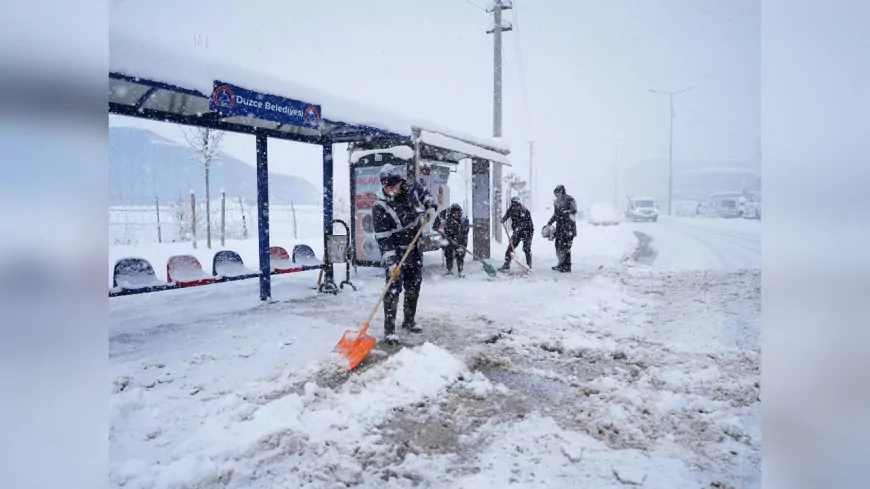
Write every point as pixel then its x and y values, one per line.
pixel 144 165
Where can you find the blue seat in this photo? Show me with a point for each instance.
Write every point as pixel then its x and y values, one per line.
pixel 304 256
pixel 136 274
pixel 228 265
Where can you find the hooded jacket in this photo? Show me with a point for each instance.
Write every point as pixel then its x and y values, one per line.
pixel 454 229
pixel 564 215
pixel 397 219
pixel 521 220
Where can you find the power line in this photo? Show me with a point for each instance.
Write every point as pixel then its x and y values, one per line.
pixel 478 7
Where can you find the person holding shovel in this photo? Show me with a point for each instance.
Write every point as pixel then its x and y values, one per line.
pixel 397 215
pixel 454 226
pixel 565 218
pixel 523 230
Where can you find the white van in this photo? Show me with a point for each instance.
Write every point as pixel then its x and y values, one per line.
pixel 642 209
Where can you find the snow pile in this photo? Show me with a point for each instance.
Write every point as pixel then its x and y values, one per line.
pixel 307 439
pixel 537 452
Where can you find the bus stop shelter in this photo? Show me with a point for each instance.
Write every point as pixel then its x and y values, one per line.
pixel 153 83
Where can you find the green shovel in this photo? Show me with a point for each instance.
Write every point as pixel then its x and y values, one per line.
pixel 489 269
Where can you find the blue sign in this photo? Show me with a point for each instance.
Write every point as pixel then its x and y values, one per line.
pixel 230 100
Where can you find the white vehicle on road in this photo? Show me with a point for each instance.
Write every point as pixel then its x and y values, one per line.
pixel 603 213
pixel 642 209
pixel 726 205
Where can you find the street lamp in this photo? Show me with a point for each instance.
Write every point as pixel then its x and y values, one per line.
pixel 671 149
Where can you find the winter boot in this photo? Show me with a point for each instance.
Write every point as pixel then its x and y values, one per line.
pixel 559 263
pixel 566 265
pixel 529 259
pixel 449 259
pixel 506 266
pixel 459 266
pixel 391 307
pixel 410 310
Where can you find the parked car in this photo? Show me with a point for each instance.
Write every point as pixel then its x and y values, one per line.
pixel 603 213
pixel 642 209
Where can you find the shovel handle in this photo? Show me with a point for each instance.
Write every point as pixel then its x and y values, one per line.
pixel 454 243
pixel 514 250
pixel 394 275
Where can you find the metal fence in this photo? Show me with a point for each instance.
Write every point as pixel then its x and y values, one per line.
pixel 184 220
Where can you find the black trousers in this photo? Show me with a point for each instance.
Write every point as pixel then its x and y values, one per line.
pixel 564 241
pixel 515 240
pixel 410 279
pixel 451 253
pixel 410 275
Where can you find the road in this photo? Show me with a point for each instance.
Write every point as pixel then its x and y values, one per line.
pixel 704 244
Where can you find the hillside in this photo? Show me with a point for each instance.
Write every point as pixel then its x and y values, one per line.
pixel 144 165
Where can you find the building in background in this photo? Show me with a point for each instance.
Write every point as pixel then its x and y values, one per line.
pixel 694 181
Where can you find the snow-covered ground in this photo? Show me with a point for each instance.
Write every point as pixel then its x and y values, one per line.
pixel 622 373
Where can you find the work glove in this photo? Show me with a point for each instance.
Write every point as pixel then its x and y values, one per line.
pixel 430 214
pixel 393 270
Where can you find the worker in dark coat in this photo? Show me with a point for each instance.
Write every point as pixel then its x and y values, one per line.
pixel 397 215
pixel 522 229
pixel 565 218
pixel 454 227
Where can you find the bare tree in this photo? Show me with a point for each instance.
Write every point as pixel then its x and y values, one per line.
pixel 516 186
pixel 206 143
pixel 181 217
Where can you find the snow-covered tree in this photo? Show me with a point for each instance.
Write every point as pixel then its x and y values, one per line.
pixel 206 143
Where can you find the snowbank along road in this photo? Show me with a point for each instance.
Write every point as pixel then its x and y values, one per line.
pixel 631 371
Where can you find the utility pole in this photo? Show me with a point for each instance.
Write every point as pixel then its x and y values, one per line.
pixel 532 195
pixel 671 147
pixel 497 29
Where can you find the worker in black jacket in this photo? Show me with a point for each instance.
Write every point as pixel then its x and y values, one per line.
pixel 523 230
pixel 454 227
pixel 564 216
pixel 397 215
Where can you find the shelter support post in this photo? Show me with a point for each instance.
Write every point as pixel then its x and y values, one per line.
pixel 263 217
pixel 481 207
pixel 327 211
pixel 496 200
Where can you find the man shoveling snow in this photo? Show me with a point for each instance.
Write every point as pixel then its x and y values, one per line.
pixel 397 214
pixel 454 227
pixel 523 229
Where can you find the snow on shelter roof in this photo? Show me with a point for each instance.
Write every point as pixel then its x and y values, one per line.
pixel 462 147
pixel 145 77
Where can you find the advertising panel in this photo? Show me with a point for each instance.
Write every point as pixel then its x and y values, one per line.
pixel 435 180
pixel 366 187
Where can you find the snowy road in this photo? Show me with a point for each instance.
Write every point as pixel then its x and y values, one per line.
pixel 619 374
pixel 705 244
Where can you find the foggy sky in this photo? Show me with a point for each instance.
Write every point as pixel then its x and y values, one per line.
pixel 588 66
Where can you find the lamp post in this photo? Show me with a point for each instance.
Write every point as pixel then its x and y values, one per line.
pixel 671 145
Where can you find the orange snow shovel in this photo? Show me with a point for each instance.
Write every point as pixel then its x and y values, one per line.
pixel 356 344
